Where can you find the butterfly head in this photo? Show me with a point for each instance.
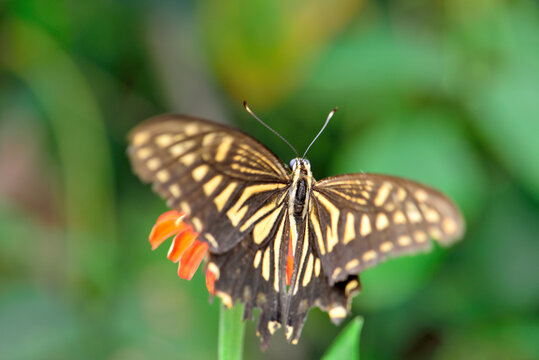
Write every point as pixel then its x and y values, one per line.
pixel 299 162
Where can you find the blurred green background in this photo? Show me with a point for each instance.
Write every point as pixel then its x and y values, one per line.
pixel 443 92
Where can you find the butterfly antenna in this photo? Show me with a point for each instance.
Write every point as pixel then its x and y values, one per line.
pixel 321 130
pixel 269 128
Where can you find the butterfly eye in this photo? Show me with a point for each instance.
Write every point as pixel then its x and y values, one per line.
pixel 293 164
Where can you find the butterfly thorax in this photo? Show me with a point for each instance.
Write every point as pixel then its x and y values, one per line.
pixel 299 192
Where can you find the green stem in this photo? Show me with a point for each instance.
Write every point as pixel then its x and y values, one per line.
pixel 231 331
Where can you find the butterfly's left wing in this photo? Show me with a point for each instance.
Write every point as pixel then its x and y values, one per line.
pixel 362 219
pixel 222 178
pixel 254 272
pixel 233 190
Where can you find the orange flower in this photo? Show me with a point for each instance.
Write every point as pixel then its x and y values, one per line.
pixel 186 249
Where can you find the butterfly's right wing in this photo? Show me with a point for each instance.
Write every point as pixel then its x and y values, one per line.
pixel 355 222
pixel 311 287
pixel 362 219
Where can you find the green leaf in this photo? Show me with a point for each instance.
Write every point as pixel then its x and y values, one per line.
pixel 370 72
pixel 71 108
pixel 231 333
pixel 346 345
pixel 502 97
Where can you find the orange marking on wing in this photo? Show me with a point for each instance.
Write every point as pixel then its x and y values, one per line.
pixel 289 263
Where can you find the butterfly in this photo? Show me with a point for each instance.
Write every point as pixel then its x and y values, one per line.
pixel 256 214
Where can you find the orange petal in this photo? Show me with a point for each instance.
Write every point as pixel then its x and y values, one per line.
pixel 289 263
pixel 169 215
pixel 210 281
pixel 167 225
pixel 191 259
pixel 181 242
pixel 161 232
